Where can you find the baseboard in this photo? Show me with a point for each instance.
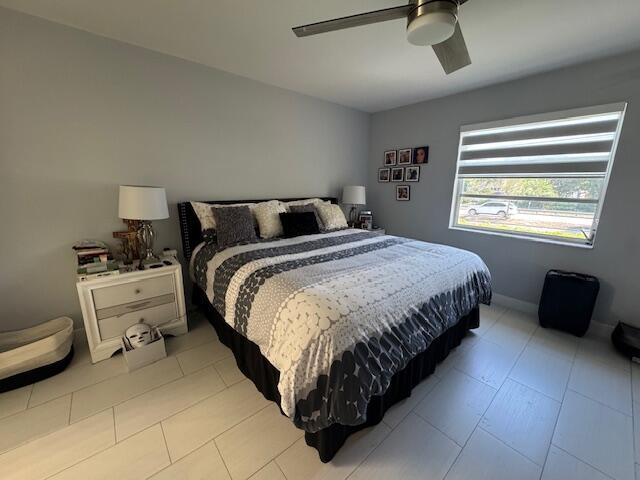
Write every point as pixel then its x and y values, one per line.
pixel 596 329
pixel 515 304
pixel 600 330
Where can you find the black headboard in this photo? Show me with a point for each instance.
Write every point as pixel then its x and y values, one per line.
pixel 190 225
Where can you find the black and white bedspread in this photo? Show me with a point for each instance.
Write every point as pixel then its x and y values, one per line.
pixel 338 314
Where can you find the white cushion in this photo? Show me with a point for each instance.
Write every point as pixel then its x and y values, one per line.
pixel 205 214
pixel 306 201
pixel 332 216
pixel 267 214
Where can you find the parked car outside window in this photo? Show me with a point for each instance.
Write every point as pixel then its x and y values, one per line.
pixel 501 209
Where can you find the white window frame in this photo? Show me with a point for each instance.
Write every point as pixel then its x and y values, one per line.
pixel 546 117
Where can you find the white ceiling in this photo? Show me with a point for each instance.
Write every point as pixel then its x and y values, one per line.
pixel 370 68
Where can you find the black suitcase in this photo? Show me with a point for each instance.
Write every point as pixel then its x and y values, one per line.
pixel 567 301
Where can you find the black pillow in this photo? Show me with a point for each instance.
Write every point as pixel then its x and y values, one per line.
pixel 234 225
pixel 295 224
pixel 308 207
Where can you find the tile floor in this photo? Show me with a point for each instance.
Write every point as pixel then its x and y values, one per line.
pixel 512 402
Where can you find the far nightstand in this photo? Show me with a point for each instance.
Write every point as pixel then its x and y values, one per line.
pixel 111 304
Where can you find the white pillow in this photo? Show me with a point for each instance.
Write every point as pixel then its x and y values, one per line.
pixel 314 201
pixel 267 214
pixel 332 216
pixel 205 214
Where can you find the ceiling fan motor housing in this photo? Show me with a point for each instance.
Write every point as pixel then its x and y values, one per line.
pixel 432 22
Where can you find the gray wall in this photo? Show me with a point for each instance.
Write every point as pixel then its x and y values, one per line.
pixel 519 266
pixel 81 114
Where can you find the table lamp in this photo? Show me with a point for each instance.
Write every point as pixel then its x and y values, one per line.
pixel 144 204
pixel 353 195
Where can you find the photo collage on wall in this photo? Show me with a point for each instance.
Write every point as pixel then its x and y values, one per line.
pixel 401 166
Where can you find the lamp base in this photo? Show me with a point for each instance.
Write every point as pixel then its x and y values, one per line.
pixel 352 216
pixel 146 236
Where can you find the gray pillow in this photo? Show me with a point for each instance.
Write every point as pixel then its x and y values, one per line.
pixel 234 225
pixel 308 207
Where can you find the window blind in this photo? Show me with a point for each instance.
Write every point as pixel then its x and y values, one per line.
pixel 576 141
pixel 552 169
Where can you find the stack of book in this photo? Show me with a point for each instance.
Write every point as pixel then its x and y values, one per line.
pixel 94 260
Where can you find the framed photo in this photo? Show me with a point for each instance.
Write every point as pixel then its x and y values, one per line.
pixel 390 158
pixel 403 193
pixel 384 174
pixel 420 155
pixel 404 156
pixel 397 174
pixel 412 174
pixel 366 220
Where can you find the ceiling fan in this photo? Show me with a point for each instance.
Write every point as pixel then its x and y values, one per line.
pixel 429 22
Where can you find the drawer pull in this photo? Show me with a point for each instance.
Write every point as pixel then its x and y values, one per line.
pixel 137 306
pixel 137 291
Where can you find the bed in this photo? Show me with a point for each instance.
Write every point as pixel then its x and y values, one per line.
pixel 335 327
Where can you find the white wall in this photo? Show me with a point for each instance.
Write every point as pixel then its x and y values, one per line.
pixel 518 266
pixel 81 114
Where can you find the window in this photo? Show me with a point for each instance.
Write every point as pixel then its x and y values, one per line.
pixel 541 177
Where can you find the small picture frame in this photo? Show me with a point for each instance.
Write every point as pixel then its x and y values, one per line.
pixel 390 158
pixel 412 174
pixel 384 174
pixel 420 155
pixel 366 220
pixel 404 156
pixel 397 174
pixel 403 193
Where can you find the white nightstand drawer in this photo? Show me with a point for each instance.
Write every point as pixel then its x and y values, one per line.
pixel 132 291
pixel 115 326
pixel 143 304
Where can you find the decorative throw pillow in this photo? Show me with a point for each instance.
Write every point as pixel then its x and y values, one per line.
pixel 296 224
pixel 332 216
pixel 234 225
pixel 309 207
pixel 268 217
pixel 306 201
pixel 205 215
pixel 204 212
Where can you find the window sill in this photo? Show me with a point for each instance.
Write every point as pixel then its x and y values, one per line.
pixel 522 237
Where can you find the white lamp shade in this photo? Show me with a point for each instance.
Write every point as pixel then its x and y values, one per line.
pixel 142 203
pixel 354 195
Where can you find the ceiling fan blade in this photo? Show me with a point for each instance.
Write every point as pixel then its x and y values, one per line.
pixel 353 21
pixel 452 53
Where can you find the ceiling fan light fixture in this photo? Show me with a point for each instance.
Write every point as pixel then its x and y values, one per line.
pixel 429 22
pixel 431 28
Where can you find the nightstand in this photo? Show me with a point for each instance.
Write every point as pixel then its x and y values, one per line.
pixel 112 304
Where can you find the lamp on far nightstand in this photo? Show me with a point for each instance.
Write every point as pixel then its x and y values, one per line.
pixel 144 204
pixel 353 195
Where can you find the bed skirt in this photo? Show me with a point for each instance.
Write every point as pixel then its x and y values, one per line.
pixel 329 440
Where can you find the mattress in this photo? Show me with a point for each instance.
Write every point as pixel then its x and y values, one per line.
pixel 338 314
